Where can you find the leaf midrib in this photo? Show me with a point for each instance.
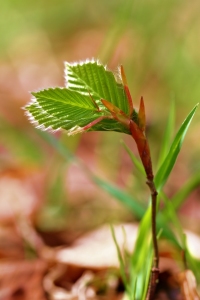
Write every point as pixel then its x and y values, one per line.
pixel 38 98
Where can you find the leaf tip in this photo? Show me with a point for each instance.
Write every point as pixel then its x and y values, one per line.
pixel 141 115
pixel 123 75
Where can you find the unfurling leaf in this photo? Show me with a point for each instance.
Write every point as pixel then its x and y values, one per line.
pixel 127 91
pixel 79 107
pixel 93 100
pixel 143 148
pixel 141 115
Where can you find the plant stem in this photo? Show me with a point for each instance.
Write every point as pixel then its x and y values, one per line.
pixel 138 134
pixel 155 270
pixel 154 194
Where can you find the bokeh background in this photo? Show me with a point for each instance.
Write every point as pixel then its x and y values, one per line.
pixel 158 44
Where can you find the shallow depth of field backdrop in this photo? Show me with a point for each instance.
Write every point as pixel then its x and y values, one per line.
pixel 157 42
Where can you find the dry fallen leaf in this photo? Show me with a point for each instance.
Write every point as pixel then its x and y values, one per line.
pixel 193 243
pixel 11 244
pixel 22 278
pixel 77 291
pixel 188 285
pixel 97 249
pixel 20 194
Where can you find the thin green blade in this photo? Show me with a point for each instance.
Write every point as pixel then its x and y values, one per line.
pixel 169 216
pixel 142 256
pixel 136 162
pixel 121 261
pixel 186 189
pixel 166 168
pixel 129 201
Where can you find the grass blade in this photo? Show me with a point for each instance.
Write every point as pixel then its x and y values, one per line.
pixel 183 193
pixel 136 162
pixel 58 146
pixel 121 261
pixel 137 209
pixel 166 168
pixel 169 214
pixel 142 256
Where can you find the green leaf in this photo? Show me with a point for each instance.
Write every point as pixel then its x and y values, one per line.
pixel 166 168
pixel 93 77
pixel 62 108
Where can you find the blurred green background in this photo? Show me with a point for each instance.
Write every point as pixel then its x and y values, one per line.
pixel 158 44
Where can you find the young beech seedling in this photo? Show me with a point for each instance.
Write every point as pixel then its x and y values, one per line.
pixel 94 100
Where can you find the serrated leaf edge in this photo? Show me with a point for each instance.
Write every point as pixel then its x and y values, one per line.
pixel 32 119
pixel 92 61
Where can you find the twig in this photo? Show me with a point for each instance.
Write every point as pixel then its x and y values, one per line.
pixel 155 270
pixel 154 194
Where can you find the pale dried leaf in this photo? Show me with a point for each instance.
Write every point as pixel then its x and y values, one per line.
pixel 188 285
pixel 55 292
pixel 19 194
pixel 193 243
pixel 97 249
pixel 78 291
